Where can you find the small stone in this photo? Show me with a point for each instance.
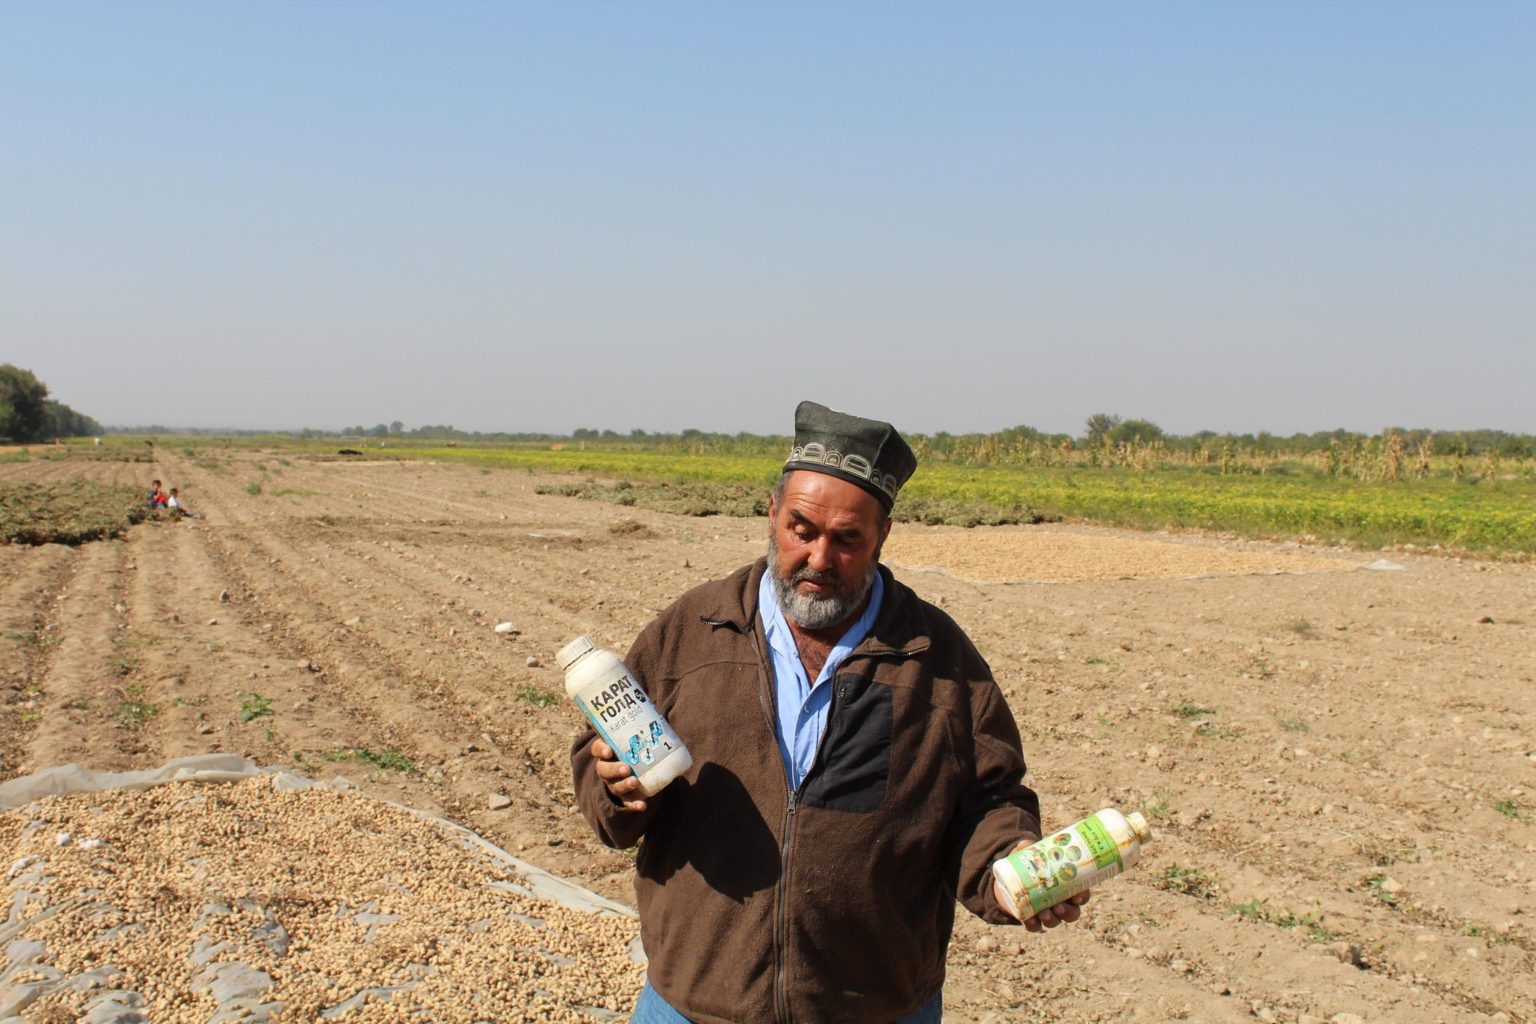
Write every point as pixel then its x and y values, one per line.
pixel 1347 1018
pixel 533 661
pixel 1486 620
pixel 1267 1015
pixel 1221 988
pixel 356 620
pixel 505 628
pixel 498 801
pixel 986 943
pixel 213 622
pixel 205 729
pixel 64 838
pixel 1181 966
pixel 1308 1018
pixel 1345 953
pixel 223 597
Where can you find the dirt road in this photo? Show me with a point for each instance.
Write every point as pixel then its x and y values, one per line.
pixel 1338 761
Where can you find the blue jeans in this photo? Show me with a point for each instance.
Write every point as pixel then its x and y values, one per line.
pixel 650 1008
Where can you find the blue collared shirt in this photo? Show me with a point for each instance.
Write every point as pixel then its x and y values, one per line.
pixel 802 704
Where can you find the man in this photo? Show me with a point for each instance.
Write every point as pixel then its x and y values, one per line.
pixel 855 768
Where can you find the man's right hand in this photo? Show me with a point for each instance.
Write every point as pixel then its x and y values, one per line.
pixel 617 776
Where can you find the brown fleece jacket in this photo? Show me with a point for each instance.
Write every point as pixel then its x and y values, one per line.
pixel 833 903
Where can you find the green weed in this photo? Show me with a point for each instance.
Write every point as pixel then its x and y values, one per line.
pixel 1510 809
pixel 1189 882
pixel 132 709
pixel 254 705
pixel 1158 806
pixel 1188 709
pixel 531 694
pixel 391 760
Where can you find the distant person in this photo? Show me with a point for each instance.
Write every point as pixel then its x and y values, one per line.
pixel 176 508
pixel 157 498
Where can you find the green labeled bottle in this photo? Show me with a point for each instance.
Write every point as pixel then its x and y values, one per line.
pixel 1065 863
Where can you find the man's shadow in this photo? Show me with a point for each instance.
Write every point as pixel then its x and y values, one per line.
pixel 691 827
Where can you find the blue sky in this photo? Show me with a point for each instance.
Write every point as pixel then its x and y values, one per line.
pixel 1284 217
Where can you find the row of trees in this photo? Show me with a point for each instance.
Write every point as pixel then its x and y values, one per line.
pixel 1101 432
pixel 28 415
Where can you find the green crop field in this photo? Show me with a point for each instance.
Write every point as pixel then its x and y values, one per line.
pixel 1492 515
pixel 1370 492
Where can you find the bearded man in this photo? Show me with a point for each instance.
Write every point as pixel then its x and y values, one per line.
pixel 856 769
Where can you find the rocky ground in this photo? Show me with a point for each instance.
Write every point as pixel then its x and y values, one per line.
pixel 1337 760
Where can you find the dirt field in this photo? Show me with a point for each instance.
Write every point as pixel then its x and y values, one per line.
pixel 1338 761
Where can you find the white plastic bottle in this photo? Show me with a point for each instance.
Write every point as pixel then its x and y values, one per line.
pixel 1065 863
pixel 618 708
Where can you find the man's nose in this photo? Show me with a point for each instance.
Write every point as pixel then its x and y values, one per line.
pixel 819 557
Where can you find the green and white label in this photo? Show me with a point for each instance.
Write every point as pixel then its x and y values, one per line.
pixel 1062 865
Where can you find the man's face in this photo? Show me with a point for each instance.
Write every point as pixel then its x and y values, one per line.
pixel 824 540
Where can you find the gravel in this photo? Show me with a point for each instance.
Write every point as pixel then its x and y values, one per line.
pixel 203 902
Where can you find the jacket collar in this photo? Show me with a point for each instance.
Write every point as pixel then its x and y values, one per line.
pixel 901 629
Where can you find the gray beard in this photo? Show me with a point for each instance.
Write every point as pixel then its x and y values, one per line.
pixel 816 611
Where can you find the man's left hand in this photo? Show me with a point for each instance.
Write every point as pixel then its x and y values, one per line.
pixel 1067 912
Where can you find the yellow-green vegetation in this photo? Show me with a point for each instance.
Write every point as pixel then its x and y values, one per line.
pixel 1451 491
pixel 1494 514
pixel 71 512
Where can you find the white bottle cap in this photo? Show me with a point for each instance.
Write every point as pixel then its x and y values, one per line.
pixel 573 650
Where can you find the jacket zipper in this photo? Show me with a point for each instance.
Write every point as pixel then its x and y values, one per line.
pixel 782 924
pixel 781 899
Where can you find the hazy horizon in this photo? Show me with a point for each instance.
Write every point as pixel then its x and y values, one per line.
pixel 1245 218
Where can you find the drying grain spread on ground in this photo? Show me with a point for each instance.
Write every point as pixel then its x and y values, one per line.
pixel 191 902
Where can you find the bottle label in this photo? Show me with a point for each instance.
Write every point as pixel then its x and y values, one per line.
pixel 1062 865
pixel 627 720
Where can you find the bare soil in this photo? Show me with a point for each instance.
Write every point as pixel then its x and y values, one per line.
pixel 1338 761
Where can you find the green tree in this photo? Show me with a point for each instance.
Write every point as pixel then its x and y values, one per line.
pixel 62 421
pixel 1140 431
pixel 23 405
pixel 1098 426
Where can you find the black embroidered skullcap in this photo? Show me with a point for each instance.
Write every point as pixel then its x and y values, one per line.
pixel 868 453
